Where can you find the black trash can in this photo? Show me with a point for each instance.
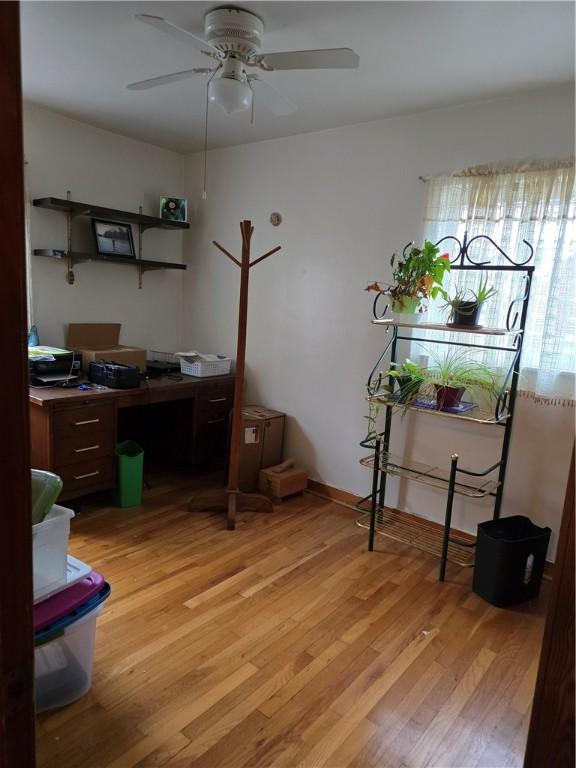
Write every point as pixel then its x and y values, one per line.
pixel 510 557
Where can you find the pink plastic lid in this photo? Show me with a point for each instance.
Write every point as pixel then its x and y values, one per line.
pixel 54 608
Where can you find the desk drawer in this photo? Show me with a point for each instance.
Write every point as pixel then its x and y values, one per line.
pixel 213 410
pixel 85 421
pixel 215 416
pixel 81 447
pixel 213 389
pixel 87 475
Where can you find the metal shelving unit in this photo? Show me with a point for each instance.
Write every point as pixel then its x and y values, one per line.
pixel 454 479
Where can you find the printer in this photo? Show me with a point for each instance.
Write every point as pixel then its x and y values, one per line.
pixel 51 365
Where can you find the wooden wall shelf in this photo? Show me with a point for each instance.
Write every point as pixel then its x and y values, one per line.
pixel 77 258
pixel 72 209
pixel 95 211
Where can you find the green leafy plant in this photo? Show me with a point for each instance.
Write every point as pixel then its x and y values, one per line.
pixel 408 377
pixel 445 381
pixel 419 274
pixel 457 369
pixel 465 301
pixel 372 391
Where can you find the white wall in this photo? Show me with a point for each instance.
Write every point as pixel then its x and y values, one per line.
pixel 102 168
pixel 349 197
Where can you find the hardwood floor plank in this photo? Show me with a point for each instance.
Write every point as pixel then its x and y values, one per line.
pixel 431 744
pixel 175 717
pixel 323 751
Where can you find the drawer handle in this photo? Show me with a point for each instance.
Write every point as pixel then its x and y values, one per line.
pixel 216 421
pixel 89 448
pixel 88 474
pixel 218 400
pixel 87 421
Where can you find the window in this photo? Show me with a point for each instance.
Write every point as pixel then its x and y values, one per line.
pixel 536 203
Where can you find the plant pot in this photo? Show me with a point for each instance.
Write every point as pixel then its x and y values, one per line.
pixel 466 314
pixel 406 309
pixel 448 397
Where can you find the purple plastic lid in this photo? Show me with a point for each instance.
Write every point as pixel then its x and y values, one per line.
pixel 68 600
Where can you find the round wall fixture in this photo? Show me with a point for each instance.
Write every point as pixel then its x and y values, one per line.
pixel 275 219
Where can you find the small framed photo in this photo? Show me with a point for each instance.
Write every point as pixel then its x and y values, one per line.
pixel 113 239
pixel 173 208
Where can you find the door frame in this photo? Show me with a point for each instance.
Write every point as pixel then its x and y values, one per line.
pixel 551 733
pixel 17 719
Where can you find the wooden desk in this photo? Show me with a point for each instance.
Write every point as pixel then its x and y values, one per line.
pixel 74 433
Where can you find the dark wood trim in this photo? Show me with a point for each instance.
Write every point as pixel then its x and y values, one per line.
pixel 551 734
pixel 16 622
pixel 333 494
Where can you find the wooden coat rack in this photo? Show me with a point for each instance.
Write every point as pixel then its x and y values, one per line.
pixel 233 498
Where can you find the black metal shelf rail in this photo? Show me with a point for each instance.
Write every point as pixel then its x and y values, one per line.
pixel 505 401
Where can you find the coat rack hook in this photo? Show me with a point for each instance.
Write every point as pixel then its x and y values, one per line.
pixel 226 253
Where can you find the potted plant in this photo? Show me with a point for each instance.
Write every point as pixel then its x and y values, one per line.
pixel 466 304
pixel 408 378
pixel 456 372
pixel 418 276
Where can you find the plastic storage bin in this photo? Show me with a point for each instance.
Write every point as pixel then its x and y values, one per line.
pixel 49 552
pixel 130 473
pixel 76 570
pixel 67 603
pixel 64 650
pixel 63 666
pixel 510 558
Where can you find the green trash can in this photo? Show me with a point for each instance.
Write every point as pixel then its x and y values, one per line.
pixel 130 472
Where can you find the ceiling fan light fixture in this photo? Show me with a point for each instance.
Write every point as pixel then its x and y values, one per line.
pixel 230 94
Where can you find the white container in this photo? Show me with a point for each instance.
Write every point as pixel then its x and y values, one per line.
pixel 206 367
pixel 63 666
pixel 409 318
pixel 76 570
pixel 49 552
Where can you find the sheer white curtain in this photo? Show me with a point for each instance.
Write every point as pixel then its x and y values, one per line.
pixel 533 202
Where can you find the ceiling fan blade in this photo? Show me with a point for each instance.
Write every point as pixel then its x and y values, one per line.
pixel 180 34
pixel 277 104
pixel 325 58
pixel 143 85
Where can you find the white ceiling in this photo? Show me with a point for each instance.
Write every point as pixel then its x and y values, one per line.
pixel 78 56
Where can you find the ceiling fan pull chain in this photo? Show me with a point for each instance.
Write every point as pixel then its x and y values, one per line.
pixel 204 193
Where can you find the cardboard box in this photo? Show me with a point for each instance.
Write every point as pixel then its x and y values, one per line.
pixel 281 484
pixel 262 436
pixel 99 341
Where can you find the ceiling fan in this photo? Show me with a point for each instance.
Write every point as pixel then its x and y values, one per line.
pixel 234 43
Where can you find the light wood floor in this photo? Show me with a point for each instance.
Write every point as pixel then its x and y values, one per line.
pixel 285 643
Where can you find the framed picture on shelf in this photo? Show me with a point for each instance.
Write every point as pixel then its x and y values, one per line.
pixel 173 208
pixel 113 239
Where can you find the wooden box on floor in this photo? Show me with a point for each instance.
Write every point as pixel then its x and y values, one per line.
pixel 279 482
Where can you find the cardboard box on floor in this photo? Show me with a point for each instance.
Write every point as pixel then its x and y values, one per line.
pixel 283 480
pixel 262 436
pixel 99 341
